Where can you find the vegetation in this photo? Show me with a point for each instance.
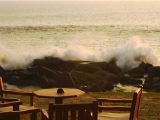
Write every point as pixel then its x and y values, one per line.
pixel 150 103
pixel 149 109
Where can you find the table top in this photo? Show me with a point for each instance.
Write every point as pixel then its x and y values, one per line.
pixel 62 92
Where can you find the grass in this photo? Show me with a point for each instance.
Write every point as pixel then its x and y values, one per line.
pixel 150 103
pixel 149 109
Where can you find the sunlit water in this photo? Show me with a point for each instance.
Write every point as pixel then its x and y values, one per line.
pixel 79 30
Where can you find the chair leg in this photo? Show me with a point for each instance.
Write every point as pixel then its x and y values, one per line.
pixel 43 117
pixel 10 117
pixel 34 116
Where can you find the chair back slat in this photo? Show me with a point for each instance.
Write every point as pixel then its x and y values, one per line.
pixel 65 115
pixel 51 116
pixel 58 115
pixel 81 114
pixel 73 114
pixel 88 115
pixel 136 104
pixel 1 87
pixel 86 111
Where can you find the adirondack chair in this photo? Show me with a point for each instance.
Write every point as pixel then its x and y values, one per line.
pixel 80 111
pixel 10 109
pixel 12 104
pixel 4 92
pixel 22 108
pixel 125 112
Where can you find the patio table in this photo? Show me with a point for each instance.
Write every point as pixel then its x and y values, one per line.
pixel 58 93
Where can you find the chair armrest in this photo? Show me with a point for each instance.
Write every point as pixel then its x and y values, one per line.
pixel 10 104
pixel 27 111
pixel 44 114
pixel 114 108
pixel 17 92
pixel 114 100
pixel 30 94
pixel 9 99
pixel 18 112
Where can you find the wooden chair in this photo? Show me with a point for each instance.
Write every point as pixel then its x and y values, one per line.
pixel 11 103
pixel 125 112
pixel 4 92
pixel 22 108
pixel 15 115
pixel 83 111
pixel 10 109
pixel 5 102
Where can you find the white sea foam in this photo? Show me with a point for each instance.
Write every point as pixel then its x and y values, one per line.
pixel 127 55
pixel 21 57
pixel 27 89
pixel 125 88
pixel 131 54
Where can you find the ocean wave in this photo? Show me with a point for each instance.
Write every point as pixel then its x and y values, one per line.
pixel 127 55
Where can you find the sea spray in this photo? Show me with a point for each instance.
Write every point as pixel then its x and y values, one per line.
pixel 128 55
pixel 18 88
pixel 79 53
pixel 131 54
pixel 125 88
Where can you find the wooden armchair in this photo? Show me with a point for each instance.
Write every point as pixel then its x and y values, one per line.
pixel 21 108
pixel 122 113
pixel 10 109
pixel 4 92
pixel 83 111
pixel 5 102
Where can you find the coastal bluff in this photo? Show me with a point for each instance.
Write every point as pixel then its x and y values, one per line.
pixel 88 75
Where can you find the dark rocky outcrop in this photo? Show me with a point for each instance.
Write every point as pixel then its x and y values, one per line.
pixel 93 76
pixel 152 84
pixel 141 70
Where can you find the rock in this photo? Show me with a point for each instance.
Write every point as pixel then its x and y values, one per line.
pixel 107 76
pixel 131 81
pixel 140 71
pixel 88 67
pixel 111 67
pixel 154 71
pixel 53 63
pixel 152 84
pixel 2 71
pixel 92 76
pixel 92 67
pixel 94 82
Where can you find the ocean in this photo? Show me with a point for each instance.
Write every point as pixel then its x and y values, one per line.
pixel 128 31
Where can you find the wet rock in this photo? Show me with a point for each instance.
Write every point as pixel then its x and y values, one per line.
pixel 152 84
pixel 131 81
pixel 111 67
pixel 154 71
pixel 94 82
pixel 107 76
pixel 140 71
pixel 89 67
pixel 53 63
pixel 95 76
pixel 2 71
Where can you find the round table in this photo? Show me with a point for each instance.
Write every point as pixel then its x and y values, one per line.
pixel 58 93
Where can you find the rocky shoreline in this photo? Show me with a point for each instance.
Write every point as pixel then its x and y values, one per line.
pixel 90 76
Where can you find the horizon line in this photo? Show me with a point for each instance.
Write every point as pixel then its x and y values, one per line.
pixel 80 0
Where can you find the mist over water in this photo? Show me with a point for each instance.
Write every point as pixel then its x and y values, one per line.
pixel 92 31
